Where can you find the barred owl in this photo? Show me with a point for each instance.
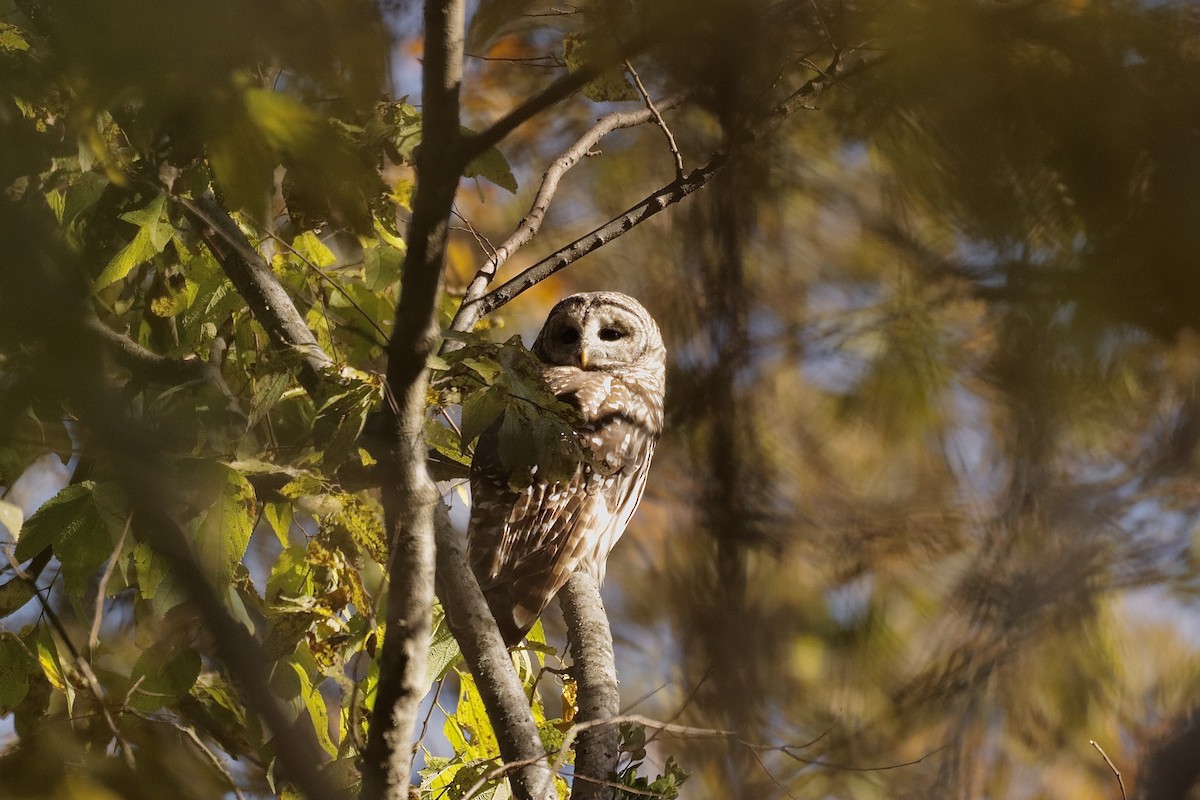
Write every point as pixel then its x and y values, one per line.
pixel 605 356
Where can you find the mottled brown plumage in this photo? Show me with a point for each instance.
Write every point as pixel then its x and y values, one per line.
pixel 605 356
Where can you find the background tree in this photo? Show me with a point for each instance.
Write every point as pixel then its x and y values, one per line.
pixel 924 519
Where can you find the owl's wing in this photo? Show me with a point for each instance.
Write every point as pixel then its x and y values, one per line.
pixel 525 544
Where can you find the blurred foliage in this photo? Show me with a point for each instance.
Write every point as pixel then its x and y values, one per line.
pixel 924 522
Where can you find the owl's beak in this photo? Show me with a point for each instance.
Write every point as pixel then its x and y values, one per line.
pixel 583 357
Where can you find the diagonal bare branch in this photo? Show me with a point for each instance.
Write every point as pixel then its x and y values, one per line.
pixel 618 226
pixel 255 282
pixel 673 192
pixel 470 311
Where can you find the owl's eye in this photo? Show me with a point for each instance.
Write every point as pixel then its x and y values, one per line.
pixel 569 336
pixel 611 334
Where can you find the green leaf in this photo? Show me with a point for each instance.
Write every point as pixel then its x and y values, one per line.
pixel 612 86
pixel 292 576
pixel 82 195
pixel 268 390
pixel 15 593
pixel 443 648
pixel 382 263
pixel 148 570
pixel 163 674
pixel 152 236
pixel 470 718
pixel 292 683
pixel 76 528
pixel 225 532
pixel 480 411
pixel 285 123
pixel 491 164
pixel 11 517
pixel 17 665
pixel 172 296
pixel 341 417
pixel 12 38
pixel 446 443
pixel 486 369
pixel 312 249
pixel 279 516
pixel 362 520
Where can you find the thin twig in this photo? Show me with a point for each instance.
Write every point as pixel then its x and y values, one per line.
pixel 824 28
pixel 1112 766
pixel 687 701
pixel 485 244
pixel 658 118
pixel 541 62
pixel 190 732
pixel 469 311
pixel 336 286
pixel 89 678
pixel 433 705
pixel 686 731
pixel 668 195
pixel 102 589
pixel 618 226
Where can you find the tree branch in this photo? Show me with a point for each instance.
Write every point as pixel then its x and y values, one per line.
pixel 667 196
pixel 475 629
pixel 255 282
pixel 662 124
pixel 147 365
pixel 595 672
pixel 410 497
pixel 469 311
pixel 670 194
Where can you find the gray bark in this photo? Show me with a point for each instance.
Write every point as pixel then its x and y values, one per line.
pixel 595 673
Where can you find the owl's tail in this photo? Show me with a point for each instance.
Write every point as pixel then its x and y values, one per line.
pixel 513 619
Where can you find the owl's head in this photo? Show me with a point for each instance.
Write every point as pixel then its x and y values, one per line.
pixel 606 331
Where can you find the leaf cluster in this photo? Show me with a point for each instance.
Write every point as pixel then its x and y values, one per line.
pixel 502 395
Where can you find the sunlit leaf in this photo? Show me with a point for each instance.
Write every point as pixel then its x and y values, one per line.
pixel 468 728
pixel 312 249
pixel 11 517
pixel 279 516
pixel 226 528
pixel 172 296
pixel 12 38
pixel 153 234
pixel 443 648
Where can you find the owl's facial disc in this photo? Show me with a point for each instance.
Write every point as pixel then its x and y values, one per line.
pixel 598 331
pixel 609 338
